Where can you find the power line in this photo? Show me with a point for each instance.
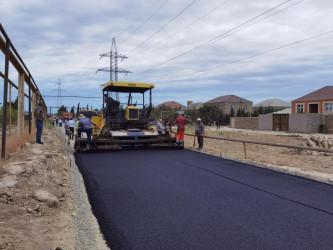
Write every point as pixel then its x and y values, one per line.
pixel 128 27
pixel 189 25
pixel 144 22
pixel 163 26
pixel 215 38
pixel 260 53
pixel 72 96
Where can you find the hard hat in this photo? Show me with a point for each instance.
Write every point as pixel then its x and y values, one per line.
pixel 198 119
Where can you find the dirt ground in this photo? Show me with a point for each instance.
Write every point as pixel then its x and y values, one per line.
pixel 39 208
pixel 317 166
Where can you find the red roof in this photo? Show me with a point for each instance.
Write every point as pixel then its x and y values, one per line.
pixel 67 115
pixel 172 104
pixel 320 94
pixel 228 98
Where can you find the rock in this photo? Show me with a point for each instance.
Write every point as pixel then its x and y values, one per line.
pixel 312 137
pixel 325 144
pixel 65 157
pixel 8 181
pixel 15 168
pixel 330 143
pixel 48 198
pixel 327 154
pixel 29 210
pixel 310 143
pixel 48 155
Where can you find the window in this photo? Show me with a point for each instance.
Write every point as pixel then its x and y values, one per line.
pixel 232 106
pixel 300 108
pixel 245 107
pixel 328 106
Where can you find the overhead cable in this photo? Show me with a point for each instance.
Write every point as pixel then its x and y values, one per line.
pixel 189 25
pixel 215 38
pixel 132 33
pixel 260 53
pixel 163 26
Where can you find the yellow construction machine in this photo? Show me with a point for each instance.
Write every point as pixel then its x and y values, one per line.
pixel 121 124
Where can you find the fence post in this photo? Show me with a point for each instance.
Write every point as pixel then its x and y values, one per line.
pixel 5 93
pixel 20 104
pixel 29 117
pixel 244 145
pixel 33 124
pixel 10 110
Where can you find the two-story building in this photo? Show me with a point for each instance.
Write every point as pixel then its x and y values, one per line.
pixel 227 102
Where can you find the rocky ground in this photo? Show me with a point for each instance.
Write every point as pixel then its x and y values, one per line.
pixel 43 204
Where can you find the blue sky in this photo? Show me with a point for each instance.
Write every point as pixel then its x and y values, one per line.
pixel 63 39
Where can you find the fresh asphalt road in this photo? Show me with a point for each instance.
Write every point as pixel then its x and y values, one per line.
pixel 180 199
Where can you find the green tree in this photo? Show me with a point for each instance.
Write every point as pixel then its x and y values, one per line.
pixel 232 113
pixel 191 114
pixel 62 110
pixel 72 111
pixel 209 114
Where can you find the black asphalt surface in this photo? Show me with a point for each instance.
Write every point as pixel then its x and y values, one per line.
pixel 179 199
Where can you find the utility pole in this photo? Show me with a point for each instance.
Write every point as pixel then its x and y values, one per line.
pixel 59 93
pixel 113 69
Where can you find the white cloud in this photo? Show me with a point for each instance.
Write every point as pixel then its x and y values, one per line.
pixel 63 39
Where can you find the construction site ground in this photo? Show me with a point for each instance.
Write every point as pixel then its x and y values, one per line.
pixel 43 202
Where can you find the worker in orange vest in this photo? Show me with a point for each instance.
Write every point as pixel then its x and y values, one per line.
pixel 181 121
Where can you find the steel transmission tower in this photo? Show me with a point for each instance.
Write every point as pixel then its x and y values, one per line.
pixel 59 93
pixel 113 69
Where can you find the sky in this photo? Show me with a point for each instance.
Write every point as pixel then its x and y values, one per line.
pixel 191 49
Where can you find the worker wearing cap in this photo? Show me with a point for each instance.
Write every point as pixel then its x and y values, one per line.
pixel 181 121
pixel 199 132
pixel 85 125
pixel 39 114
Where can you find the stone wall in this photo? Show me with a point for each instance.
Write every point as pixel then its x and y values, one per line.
pixel 244 122
pixel 265 122
pixel 305 123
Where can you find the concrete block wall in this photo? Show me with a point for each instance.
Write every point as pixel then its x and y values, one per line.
pixel 265 122
pixel 244 122
pixel 329 124
pixel 305 123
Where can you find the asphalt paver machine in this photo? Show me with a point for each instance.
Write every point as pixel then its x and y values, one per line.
pixel 125 124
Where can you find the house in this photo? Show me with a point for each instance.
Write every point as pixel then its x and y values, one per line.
pixel 175 106
pixel 272 105
pixel 228 102
pixel 319 102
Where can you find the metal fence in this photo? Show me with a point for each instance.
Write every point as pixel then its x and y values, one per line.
pixel 24 77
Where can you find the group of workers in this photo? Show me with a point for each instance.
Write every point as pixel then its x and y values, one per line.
pixel 181 121
pixel 82 125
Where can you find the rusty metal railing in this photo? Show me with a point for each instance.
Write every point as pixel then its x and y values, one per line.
pixel 325 150
pixel 13 57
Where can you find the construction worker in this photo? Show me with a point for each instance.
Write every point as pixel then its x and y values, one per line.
pixel 181 121
pixel 85 125
pixel 159 127
pixel 39 114
pixel 199 132
pixel 167 125
pixel 71 125
pixel 77 125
